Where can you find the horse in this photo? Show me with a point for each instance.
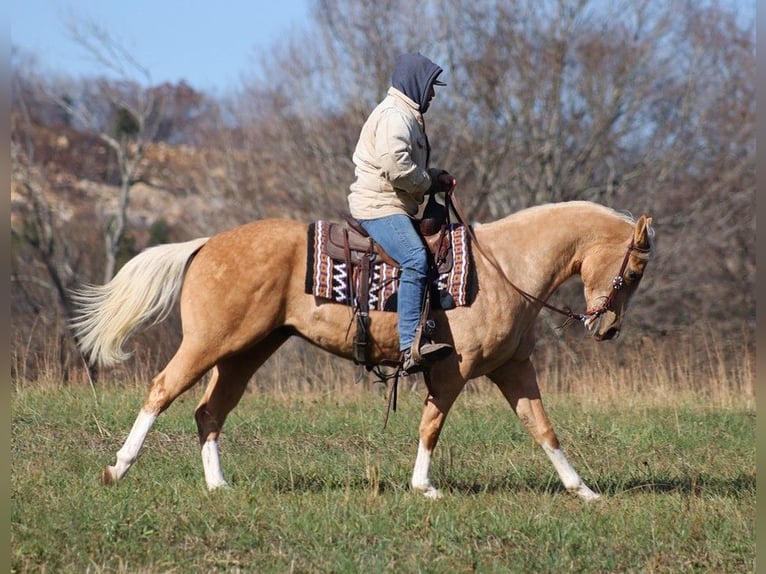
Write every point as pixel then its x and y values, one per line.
pixel 241 294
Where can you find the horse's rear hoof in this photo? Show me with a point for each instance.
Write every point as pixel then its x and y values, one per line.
pixel 586 493
pixel 429 491
pixel 433 493
pixel 107 476
pixel 218 486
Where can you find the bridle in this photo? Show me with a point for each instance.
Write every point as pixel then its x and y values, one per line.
pixel 617 283
pixel 593 313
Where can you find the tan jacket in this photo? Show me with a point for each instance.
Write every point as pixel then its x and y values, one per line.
pixel 391 160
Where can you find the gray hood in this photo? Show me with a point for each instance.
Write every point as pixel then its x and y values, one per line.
pixel 413 75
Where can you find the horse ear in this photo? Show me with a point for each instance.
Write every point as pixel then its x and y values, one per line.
pixel 641 233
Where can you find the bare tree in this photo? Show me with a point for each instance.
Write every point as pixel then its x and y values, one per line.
pixel 48 257
pixel 123 114
pixel 40 269
pixel 643 106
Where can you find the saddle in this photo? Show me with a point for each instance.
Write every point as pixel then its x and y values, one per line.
pixel 349 242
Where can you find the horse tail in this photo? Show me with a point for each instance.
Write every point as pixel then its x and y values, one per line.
pixel 147 286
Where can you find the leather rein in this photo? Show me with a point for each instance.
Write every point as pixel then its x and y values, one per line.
pixel 617 281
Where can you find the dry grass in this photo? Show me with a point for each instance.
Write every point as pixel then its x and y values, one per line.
pixel 698 364
pixel 651 372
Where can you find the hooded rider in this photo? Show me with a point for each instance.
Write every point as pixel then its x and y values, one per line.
pixel 392 178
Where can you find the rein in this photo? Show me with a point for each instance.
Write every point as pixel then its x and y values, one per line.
pixel 451 200
pixel 571 316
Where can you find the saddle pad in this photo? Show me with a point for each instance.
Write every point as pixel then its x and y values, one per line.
pixel 328 278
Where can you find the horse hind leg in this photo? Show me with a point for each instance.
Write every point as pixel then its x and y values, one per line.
pixel 184 369
pixel 223 393
pixel 518 383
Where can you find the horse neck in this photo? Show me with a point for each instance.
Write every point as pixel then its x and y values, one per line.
pixel 540 248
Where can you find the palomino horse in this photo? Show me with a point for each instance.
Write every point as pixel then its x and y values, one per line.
pixel 242 296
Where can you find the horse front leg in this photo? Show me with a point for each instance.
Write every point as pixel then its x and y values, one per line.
pixel 435 410
pixel 518 383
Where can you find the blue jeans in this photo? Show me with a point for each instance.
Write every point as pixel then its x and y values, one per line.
pixel 397 235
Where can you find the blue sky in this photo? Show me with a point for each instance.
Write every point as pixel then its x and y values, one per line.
pixel 206 43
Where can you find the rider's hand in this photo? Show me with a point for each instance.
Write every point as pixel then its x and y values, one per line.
pixel 446 182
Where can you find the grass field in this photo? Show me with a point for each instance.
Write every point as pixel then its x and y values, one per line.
pixel 320 486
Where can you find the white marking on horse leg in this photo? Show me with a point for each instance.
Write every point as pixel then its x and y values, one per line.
pixel 570 478
pixel 420 481
pixel 211 463
pixel 127 455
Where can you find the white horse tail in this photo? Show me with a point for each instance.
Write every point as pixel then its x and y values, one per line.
pixel 147 286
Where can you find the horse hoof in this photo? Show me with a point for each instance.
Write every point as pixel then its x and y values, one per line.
pixel 218 486
pixel 433 493
pixel 429 492
pixel 586 493
pixel 107 476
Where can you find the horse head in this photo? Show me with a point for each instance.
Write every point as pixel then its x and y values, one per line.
pixel 608 295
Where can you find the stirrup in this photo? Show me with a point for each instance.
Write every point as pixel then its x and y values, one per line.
pixel 410 365
pixel 426 355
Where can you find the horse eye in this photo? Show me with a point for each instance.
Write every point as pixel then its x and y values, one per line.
pixel 632 276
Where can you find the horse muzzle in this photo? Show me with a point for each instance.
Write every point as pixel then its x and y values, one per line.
pixel 604 326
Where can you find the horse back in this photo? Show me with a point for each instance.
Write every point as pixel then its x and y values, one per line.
pixel 254 268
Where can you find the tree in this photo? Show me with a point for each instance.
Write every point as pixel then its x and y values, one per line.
pixel 644 106
pixel 123 114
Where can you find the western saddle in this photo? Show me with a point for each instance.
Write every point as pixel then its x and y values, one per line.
pixel 349 242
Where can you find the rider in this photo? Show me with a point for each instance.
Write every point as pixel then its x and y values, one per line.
pixel 392 178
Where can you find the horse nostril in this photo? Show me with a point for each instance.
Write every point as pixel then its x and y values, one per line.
pixel 608 335
pixel 612 333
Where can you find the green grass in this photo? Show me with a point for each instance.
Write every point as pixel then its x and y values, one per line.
pixel 319 486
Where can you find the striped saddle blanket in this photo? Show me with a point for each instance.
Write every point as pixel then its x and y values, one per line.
pixel 328 275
